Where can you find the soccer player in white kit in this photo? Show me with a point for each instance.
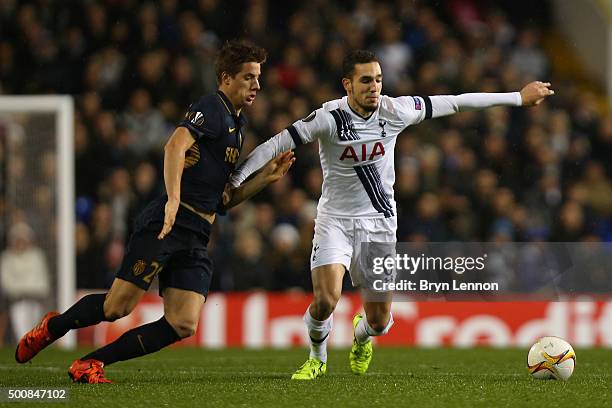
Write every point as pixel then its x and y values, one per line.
pixel 356 136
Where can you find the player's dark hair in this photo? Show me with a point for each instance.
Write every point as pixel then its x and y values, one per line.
pixel 356 57
pixel 235 53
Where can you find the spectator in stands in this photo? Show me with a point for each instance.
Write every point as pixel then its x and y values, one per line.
pixel 24 278
pixel 247 268
pixel 145 124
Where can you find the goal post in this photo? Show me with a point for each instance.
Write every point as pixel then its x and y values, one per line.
pixel 17 110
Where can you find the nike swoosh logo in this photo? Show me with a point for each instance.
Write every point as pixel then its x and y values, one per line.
pixel 231 129
pixel 139 337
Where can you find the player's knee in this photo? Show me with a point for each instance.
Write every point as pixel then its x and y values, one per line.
pixel 186 330
pixel 113 314
pixel 183 327
pixel 116 310
pixel 326 302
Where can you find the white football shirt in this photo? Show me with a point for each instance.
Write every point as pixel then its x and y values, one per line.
pixel 357 154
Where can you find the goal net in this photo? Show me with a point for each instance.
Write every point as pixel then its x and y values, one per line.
pixel 37 262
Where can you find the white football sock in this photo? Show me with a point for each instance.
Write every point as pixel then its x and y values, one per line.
pixel 363 331
pixel 318 331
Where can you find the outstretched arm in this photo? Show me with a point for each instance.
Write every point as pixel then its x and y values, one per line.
pixel 532 94
pixel 274 170
pixel 307 130
pixel 282 142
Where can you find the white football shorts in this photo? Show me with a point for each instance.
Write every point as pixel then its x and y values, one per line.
pixel 338 241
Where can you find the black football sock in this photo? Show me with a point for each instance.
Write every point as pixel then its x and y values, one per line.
pixel 137 342
pixel 89 310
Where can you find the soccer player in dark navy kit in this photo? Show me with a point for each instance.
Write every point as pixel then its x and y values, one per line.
pixel 171 235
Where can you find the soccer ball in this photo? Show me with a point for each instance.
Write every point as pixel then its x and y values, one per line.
pixel 551 358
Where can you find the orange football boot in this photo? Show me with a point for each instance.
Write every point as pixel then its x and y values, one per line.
pixel 35 340
pixel 88 372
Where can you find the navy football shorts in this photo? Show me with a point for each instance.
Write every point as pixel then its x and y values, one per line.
pixel 180 260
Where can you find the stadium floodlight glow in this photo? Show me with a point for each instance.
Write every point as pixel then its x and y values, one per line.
pixel 62 108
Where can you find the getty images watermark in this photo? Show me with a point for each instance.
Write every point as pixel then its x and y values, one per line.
pixel 484 270
pixel 389 265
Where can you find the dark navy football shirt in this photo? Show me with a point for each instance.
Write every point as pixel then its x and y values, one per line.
pixel 217 130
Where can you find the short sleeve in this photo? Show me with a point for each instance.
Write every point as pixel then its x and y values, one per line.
pixel 412 109
pixel 312 127
pixel 202 119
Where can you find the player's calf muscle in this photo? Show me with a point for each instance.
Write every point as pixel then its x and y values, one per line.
pixel 378 315
pixel 380 324
pixel 327 288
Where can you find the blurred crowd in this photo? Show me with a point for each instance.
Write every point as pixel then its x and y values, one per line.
pixel 539 174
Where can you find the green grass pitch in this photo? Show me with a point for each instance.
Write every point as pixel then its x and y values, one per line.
pixel 190 377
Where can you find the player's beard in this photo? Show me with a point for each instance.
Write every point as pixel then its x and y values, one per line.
pixel 368 107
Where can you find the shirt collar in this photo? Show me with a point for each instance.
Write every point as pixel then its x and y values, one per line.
pixel 226 102
pixel 241 119
pixel 365 119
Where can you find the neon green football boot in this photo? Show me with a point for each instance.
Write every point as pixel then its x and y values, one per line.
pixel 361 354
pixel 310 370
